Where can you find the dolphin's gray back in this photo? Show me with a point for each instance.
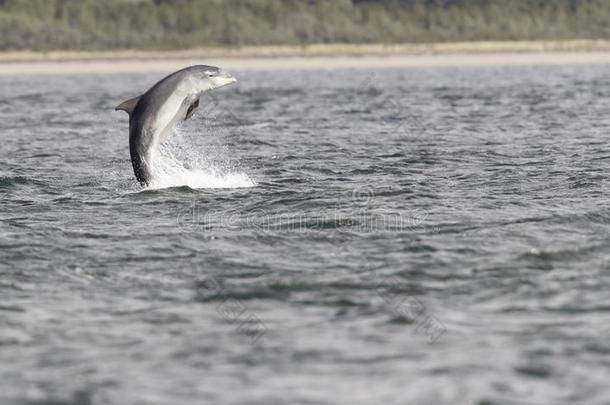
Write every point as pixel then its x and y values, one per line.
pixel 151 102
pixel 154 98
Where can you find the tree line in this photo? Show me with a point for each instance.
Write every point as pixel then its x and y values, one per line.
pixel 183 24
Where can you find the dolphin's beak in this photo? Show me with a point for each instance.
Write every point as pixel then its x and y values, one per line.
pixel 227 75
pixel 222 79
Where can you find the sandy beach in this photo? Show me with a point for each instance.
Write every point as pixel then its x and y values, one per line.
pixel 333 56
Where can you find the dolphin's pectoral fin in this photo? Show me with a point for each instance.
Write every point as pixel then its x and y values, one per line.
pixel 129 105
pixel 191 109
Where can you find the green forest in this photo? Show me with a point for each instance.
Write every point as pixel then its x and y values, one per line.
pixel 184 24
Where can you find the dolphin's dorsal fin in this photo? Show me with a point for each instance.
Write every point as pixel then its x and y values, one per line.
pixel 191 109
pixel 129 105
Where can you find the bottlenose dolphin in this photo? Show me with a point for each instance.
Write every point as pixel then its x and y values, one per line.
pixel 153 114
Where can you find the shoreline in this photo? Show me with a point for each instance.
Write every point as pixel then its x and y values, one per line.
pixel 323 56
pixel 271 51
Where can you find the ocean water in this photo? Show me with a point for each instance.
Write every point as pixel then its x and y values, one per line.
pixel 415 236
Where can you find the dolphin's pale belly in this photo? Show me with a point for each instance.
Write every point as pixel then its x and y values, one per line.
pixel 170 112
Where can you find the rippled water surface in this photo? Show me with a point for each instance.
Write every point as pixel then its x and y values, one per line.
pixel 433 236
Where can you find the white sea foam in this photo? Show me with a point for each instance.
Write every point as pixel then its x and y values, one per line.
pixel 179 163
pixel 198 178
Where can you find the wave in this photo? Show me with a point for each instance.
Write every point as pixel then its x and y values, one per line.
pixel 10 181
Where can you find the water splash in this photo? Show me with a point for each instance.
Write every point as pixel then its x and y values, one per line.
pixel 179 163
pixel 199 178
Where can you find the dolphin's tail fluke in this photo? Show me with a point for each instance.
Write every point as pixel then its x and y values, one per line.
pixel 128 106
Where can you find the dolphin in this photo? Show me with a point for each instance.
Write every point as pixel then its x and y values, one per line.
pixel 153 114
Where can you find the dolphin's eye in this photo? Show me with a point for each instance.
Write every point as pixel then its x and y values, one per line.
pixel 211 73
